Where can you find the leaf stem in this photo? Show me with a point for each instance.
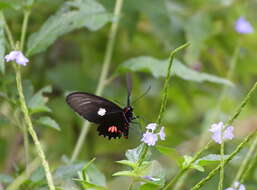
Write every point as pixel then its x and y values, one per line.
pixel 246 161
pixel 24 28
pixel 166 83
pixel 249 168
pixel 213 172
pixel 103 75
pixel 26 144
pixel 164 98
pixel 33 134
pixel 8 31
pixel 229 122
pixel 220 187
pixel 25 175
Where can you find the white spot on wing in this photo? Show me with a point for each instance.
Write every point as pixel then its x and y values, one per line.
pixel 101 111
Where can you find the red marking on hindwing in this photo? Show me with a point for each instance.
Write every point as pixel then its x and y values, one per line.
pixel 112 129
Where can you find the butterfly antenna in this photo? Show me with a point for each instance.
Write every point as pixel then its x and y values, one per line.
pixel 129 87
pixel 141 96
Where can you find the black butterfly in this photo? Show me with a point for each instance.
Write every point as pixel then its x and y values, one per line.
pixel 113 121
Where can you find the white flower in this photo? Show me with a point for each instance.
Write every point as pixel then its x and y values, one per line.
pixel 220 133
pixel 162 134
pixel 18 57
pixel 101 111
pixel 151 126
pixel 149 138
pixel 236 186
pixel 243 26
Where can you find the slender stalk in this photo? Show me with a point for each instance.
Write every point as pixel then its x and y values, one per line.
pixel 23 34
pixel 103 75
pixel 231 156
pixel 24 28
pixel 249 168
pixel 220 187
pixel 33 134
pixel 229 122
pixel 246 161
pixel 8 31
pixel 166 83
pixel 143 155
pixel 174 180
pixel 25 175
pixel 164 98
pixel 26 144
pixel 242 105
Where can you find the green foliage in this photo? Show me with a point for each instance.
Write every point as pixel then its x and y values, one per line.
pixel 91 177
pixel 48 122
pixel 66 45
pixel 2 44
pixel 71 16
pixel 38 102
pixel 172 153
pixel 158 68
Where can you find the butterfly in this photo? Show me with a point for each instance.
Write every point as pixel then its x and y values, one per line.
pixel 112 119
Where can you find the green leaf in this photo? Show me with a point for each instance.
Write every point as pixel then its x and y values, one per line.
pixel 88 164
pixel 125 173
pixel 6 179
pixel 2 44
pixel 68 171
pixel 87 185
pixel 48 122
pixel 134 154
pixel 188 160
pixel 72 15
pixel 127 163
pixel 158 68
pixel 149 186
pixel 37 102
pixel 95 176
pixel 171 152
pixel 17 4
pixel 210 159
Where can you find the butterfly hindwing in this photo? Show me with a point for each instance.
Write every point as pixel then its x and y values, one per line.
pixel 88 106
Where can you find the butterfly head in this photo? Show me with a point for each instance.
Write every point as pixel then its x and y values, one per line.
pixel 128 113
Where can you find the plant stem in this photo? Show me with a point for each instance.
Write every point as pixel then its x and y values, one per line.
pixel 246 161
pixel 24 28
pixel 23 35
pixel 174 180
pixel 166 83
pixel 103 75
pixel 143 155
pixel 249 168
pixel 220 187
pixel 164 98
pixel 26 144
pixel 33 134
pixel 25 175
pixel 213 172
pixel 229 122
pixel 242 105
pixel 8 31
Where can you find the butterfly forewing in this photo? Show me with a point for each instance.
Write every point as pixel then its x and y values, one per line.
pixel 88 106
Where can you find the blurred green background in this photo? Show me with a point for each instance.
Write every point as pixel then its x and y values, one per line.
pixel 147 28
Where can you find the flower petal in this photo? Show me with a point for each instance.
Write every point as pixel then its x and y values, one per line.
pixel 151 126
pixel 162 134
pixel 149 138
pixel 228 133
pixel 243 26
